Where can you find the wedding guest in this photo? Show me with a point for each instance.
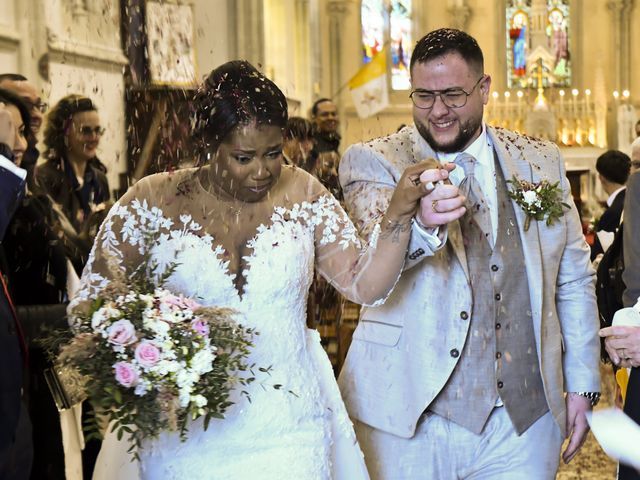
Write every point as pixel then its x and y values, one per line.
pixel 613 169
pixel 297 148
pixel 16 450
pixel 324 115
pixel 635 155
pixel 485 356
pixel 72 136
pixel 247 232
pixel 20 85
pixel 623 342
pixel 35 248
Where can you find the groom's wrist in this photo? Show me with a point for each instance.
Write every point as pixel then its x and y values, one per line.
pixel 594 397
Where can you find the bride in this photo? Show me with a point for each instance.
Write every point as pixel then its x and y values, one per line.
pixel 247 233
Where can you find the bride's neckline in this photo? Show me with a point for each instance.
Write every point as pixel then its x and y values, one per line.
pixel 272 199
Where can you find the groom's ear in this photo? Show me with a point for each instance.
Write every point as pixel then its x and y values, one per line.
pixel 485 88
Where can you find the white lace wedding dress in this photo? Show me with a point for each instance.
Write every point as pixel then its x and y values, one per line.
pixel 300 431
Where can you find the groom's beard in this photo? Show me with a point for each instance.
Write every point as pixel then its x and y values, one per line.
pixel 468 130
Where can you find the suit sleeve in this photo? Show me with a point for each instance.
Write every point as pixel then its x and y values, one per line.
pixel 12 181
pixel 576 303
pixel 631 245
pixel 368 181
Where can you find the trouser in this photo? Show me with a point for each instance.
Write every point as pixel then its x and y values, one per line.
pixel 443 450
pixel 631 408
pixel 16 459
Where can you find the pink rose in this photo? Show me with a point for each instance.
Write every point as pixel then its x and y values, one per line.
pixel 181 302
pixel 126 374
pixel 147 354
pixel 200 326
pixel 122 332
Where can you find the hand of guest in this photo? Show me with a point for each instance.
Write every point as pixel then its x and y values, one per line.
pixel 623 345
pixel 7 128
pixel 577 426
pixel 417 183
pixel 444 203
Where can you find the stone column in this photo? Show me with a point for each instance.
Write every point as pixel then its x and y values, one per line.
pixel 336 10
pixel 303 55
pixel 538 24
pixel 459 14
pixel 249 22
pixel 621 41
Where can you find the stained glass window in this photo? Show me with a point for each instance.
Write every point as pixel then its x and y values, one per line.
pixel 537 43
pixel 372 14
pixel 558 40
pixel 375 35
pixel 400 36
pixel 518 42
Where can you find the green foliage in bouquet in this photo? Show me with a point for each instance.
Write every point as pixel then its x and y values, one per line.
pixel 152 360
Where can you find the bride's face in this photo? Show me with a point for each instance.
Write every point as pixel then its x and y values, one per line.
pixel 247 163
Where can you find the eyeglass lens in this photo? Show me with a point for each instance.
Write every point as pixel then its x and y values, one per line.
pixel 86 131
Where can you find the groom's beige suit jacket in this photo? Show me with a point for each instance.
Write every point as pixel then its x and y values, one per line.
pixel 404 351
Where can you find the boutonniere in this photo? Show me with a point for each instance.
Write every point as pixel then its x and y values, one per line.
pixel 538 200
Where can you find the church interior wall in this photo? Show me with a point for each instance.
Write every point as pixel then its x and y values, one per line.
pixel 310 48
pixel 212 34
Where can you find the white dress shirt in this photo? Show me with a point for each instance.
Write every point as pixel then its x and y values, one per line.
pixel 613 196
pixel 485 171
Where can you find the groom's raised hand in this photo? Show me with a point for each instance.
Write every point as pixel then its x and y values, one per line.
pixel 444 203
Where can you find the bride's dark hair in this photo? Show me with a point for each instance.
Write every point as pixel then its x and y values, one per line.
pixel 233 94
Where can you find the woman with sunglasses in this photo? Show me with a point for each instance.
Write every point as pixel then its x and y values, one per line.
pixel 72 175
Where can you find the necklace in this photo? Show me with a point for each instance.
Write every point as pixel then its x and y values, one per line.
pixel 235 211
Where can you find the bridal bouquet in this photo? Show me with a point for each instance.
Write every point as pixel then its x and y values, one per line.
pixel 153 360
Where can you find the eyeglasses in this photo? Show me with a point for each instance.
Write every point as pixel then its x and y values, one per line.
pixel 88 131
pixel 635 164
pixel 40 106
pixel 452 98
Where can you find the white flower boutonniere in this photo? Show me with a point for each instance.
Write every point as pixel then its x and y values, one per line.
pixel 538 200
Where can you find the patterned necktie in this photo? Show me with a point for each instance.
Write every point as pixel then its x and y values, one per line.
pixel 477 206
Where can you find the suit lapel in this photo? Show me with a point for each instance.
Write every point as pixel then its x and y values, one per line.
pixel 421 150
pixel 512 161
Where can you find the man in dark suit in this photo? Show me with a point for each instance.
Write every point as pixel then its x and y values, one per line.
pixel 623 342
pixel 613 169
pixel 15 427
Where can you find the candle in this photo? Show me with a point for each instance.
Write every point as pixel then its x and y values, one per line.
pixel 625 95
pixel 574 102
pixel 519 94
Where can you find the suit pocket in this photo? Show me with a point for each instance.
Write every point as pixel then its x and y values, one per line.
pixel 377 332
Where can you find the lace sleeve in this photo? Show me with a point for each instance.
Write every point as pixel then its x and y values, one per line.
pixel 363 271
pixel 119 246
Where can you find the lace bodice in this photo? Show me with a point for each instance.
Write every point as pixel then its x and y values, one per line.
pixel 305 230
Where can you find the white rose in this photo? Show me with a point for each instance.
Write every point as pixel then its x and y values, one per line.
pixel 202 361
pixel 530 197
pixel 142 387
pixel 199 400
pixel 164 367
pixel 184 395
pixel 186 378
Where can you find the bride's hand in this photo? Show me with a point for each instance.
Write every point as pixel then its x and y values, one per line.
pixel 418 181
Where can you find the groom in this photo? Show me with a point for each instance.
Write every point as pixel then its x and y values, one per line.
pixel 486 354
